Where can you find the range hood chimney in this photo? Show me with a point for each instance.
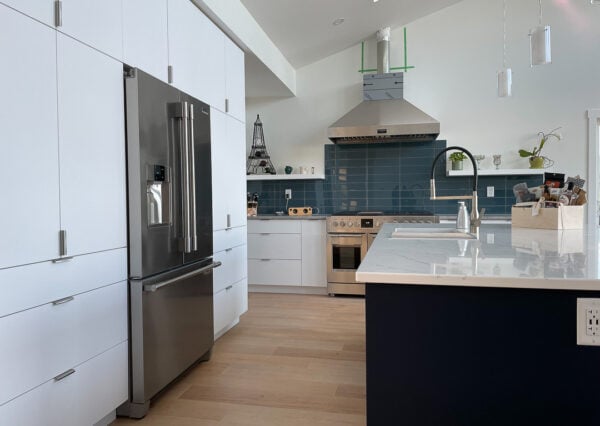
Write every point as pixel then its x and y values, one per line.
pixel 384 115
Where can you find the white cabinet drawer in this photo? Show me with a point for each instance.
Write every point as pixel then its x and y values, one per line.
pixel 275 272
pixel 42 342
pixel 234 267
pixel 274 226
pixel 274 246
pixel 228 304
pixel 33 285
pixel 82 398
pixel 231 237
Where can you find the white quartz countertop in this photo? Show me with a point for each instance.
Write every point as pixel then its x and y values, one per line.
pixel 502 256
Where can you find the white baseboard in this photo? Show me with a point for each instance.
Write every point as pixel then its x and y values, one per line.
pixel 257 288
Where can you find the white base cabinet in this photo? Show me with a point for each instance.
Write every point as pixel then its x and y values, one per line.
pixel 287 252
pixel 230 284
pixel 85 396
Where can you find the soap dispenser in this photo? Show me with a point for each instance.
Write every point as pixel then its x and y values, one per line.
pixel 462 218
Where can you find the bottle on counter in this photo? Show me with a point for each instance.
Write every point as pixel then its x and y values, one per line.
pixel 462 219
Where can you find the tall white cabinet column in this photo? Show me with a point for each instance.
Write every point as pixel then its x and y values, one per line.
pixel 63 314
pixel 228 148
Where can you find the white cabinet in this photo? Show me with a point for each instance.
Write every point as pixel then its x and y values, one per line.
pixel 50 339
pixel 78 399
pixel 145 38
pixel 274 252
pixel 42 10
pixel 98 24
pixel 287 252
pixel 74 95
pixel 228 171
pixel 314 253
pixel 29 146
pixel 230 284
pixel 196 53
pixel 235 92
pixel 92 148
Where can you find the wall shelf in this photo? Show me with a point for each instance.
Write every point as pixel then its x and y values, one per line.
pixel 286 177
pixel 494 172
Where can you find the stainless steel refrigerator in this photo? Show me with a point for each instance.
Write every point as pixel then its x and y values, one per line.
pixel 170 235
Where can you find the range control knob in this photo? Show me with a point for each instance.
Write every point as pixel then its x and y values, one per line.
pixel 335 224
pixel 350 224
pixel 377 224
pixel 342 224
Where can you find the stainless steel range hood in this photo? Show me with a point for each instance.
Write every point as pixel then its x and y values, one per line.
pixel 384 115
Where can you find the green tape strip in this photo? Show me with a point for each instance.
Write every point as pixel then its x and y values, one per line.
pixel 405 52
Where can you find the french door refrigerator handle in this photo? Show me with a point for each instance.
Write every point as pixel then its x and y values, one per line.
pixel 193 233
pixel 204 270
pixel 187 240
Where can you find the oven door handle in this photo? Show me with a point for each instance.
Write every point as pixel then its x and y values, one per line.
pixel 345 235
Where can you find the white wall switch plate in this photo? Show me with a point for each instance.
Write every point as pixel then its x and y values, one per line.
pixel 288 194
pixel 588 322
pixel 490 191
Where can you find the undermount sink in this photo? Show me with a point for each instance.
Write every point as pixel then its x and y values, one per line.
pixel 433 233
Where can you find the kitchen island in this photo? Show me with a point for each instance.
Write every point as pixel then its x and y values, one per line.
pixel 481 331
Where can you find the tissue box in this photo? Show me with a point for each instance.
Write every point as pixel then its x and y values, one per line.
pixel 563 217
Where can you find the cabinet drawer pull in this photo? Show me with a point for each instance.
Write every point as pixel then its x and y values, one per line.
pixel 228 229
pixel 265 233
pixel 229 249
pixel 58 13
pixel 62 259
pixel 63 300
pixel 64 375
pixel 265 260
pixel 229 287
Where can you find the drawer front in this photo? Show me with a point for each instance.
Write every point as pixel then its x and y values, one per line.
pixel 274 246
pixel 275 272
pixel 234 267
pixel 42 342
pixel 225 305
pixel 232 237
pixel 83 398
pixel 274 226
pixel 33 285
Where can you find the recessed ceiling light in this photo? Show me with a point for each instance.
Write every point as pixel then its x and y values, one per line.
pixel 338 21
pixel 375 1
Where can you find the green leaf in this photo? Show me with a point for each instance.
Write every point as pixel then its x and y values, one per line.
pixel 524 153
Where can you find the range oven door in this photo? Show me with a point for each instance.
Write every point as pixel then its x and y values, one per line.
pixel 344 254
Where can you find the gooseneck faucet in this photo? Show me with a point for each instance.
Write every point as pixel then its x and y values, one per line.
pixel 475 220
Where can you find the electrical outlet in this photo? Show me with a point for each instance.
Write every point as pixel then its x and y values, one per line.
pixel 288 194
pixel 588 322
pixel 490 191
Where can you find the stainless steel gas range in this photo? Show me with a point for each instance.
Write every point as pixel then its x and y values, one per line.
pixel 349 236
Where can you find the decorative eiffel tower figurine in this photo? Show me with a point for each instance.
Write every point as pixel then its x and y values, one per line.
pixel 259 161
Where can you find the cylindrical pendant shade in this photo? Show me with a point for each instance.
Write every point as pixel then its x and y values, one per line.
pixel 539 42
pixel 504 82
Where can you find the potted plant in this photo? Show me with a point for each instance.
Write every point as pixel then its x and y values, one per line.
pixel 457 160
pixel 536 160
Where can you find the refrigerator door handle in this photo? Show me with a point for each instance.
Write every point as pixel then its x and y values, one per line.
pixel 187 240
pixel 204 270
pixel 192 176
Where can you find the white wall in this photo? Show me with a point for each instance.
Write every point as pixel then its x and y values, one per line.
pixel 457 53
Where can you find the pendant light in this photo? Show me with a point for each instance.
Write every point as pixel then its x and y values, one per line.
pixel 505 74
pixel 539 42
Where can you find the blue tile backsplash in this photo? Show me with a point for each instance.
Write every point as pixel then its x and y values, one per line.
pixel 389 177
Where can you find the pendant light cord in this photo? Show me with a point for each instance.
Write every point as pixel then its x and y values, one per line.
pixel 504 37
pixel 540 4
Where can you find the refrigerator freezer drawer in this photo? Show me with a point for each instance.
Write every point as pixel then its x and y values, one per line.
pixel 171 327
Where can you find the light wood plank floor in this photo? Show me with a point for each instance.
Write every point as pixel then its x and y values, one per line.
pixel 292 360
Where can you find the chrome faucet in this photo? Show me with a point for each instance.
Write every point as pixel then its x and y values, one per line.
pixel 475 219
